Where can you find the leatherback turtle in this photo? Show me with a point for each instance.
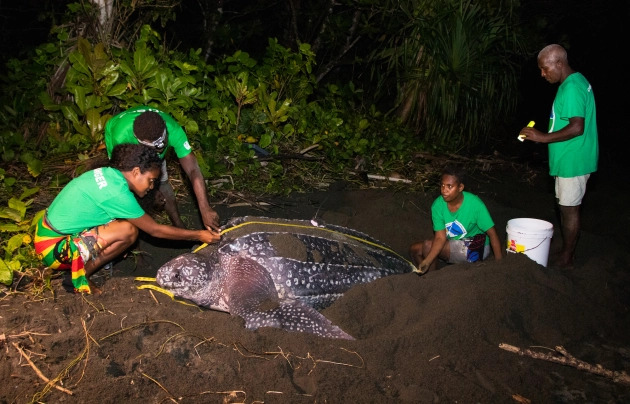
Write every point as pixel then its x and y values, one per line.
pixel 280 272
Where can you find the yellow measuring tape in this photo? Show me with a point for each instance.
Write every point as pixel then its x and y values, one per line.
pixel 311 227
pixel 159 289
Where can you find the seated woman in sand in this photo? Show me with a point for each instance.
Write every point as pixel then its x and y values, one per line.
pixel 461 222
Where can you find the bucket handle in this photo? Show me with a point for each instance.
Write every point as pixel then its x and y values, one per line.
pixel 533 248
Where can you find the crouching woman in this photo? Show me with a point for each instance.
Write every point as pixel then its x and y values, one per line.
pixel 96 216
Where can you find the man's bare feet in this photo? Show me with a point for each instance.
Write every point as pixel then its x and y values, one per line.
pixel 563 261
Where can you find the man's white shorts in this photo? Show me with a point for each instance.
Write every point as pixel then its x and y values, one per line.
pixel 570 191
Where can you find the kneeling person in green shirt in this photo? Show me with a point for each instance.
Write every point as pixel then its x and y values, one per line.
pixel 461 222
pixel 96 216
pixel 157 129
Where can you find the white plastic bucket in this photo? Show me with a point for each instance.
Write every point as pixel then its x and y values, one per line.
pixel 531 237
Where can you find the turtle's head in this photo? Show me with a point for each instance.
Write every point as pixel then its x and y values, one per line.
pixel 185 274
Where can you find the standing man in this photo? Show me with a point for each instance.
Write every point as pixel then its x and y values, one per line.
pixel 572 138
pixel 157 129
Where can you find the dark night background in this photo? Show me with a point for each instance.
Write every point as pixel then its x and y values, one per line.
pixel 585 310
pixel 594 32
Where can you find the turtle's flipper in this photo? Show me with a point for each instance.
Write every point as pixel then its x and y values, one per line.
pixel 253 296
pixel 292 315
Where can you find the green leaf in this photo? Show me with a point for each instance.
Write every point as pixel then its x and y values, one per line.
pixel 271 105
pixel 70 113
pixel 59 180
pixel 47 102
pixel 79 97
pixel 18 205
pixel 35 167
pixel 36 218
pixel 79 63
pixel 15 242
pixel 191 127
pixel 8 155
pixel 93 117
pixel 161 81
pixel 265 140
pixel 151 93
pixel 144 63
pixel 110 77
pixel 6 272
pixel 10 213
pixel 10 227
pixel 99 52
pixel 9 181
pixel 203 165
pixel 81 128
pixel 124 66
pixel 288 129
pixel 183 102
pixel 185 67
pixel 94 101
pixel 116 90
pixel 85 47
pixel 178 83
pixel 28 192
pixel 63 35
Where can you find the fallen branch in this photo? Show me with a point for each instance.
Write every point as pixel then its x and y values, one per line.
pixel 245 201
pixel 308 149
pixel 39 373
pixel 24 334
pixel 290 156
pixel 569 360
pixel 392 179
pixel 230 394
pixel 382 178
pixel 256 204
pixel 218 183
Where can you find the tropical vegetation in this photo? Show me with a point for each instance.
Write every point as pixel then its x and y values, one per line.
pixel 345 88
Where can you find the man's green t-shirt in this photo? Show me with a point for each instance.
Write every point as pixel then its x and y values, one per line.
pixel 472 218
pixel 577 156
pixel 94 198
pixel 119 130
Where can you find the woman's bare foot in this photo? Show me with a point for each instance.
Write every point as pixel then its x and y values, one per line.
pixel 94 289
